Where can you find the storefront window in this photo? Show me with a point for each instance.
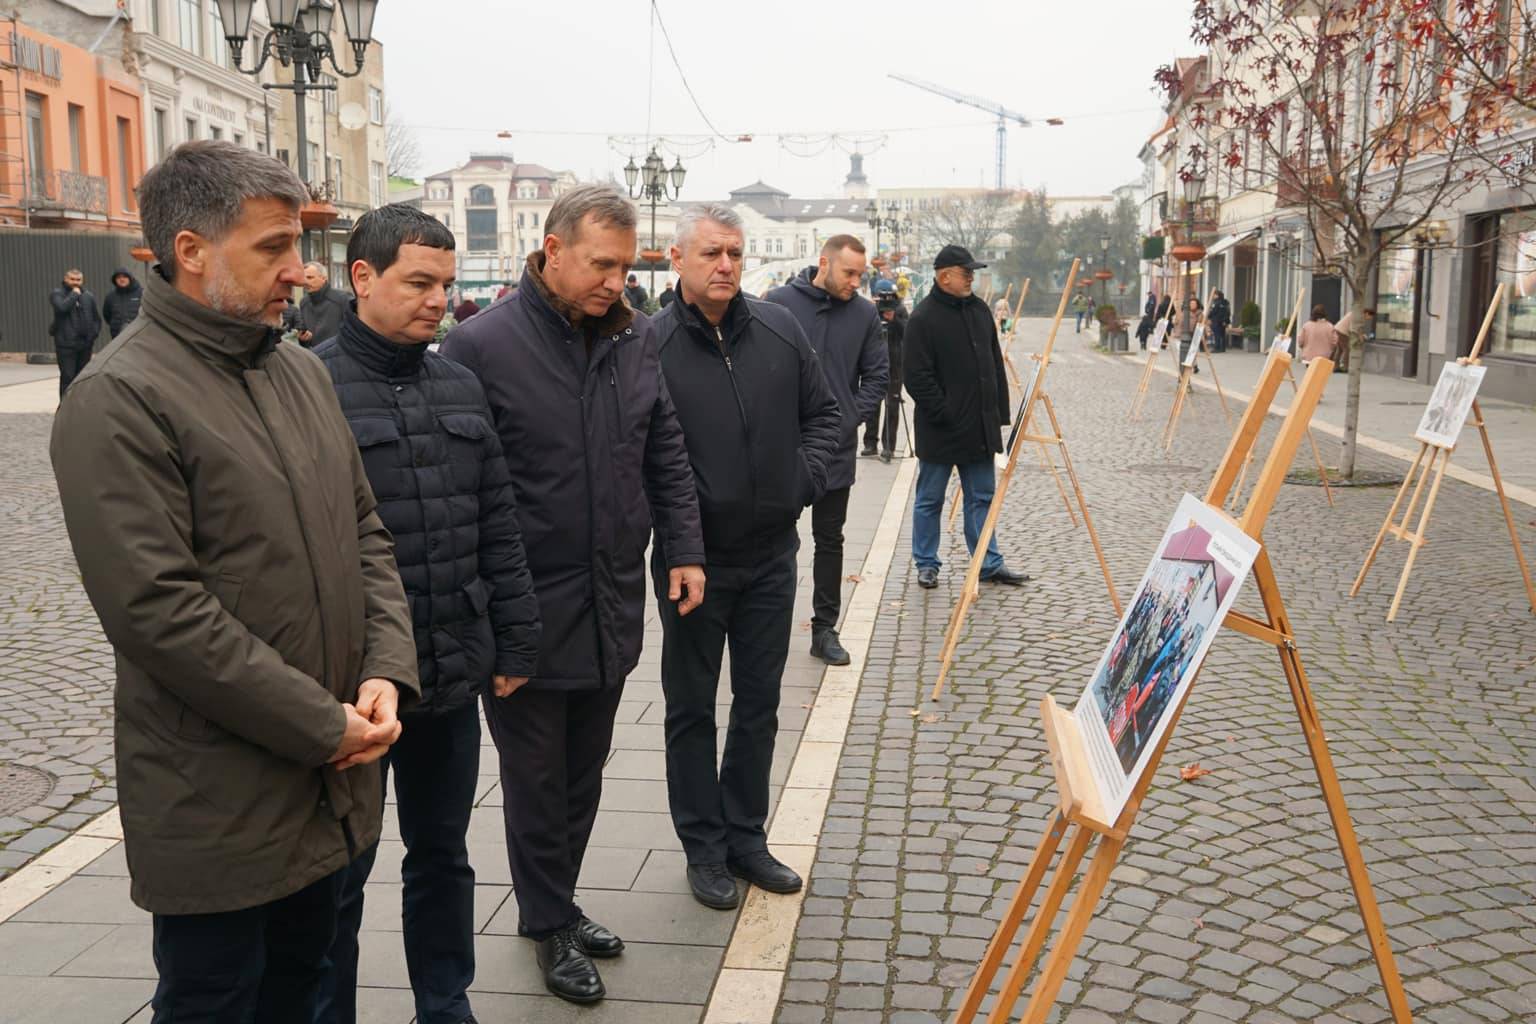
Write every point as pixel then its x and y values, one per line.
pixel 1514 333
pixel 1396 295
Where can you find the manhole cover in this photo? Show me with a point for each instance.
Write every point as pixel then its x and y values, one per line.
pixel 22 787
pixel 1163 467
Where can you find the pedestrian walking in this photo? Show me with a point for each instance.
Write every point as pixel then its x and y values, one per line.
pixel 1148 320
pixel 668 295
pixel 1219 316
pixel 464 310
pixel 122 302
pixel 76 325
pixel 596 457
pixel 1318 338
pixel 228 539
pixel 763 434
pixel 323 307
pixel 892 328
pixel 434 460
pixel 634 293
pixel 844 332
pixel 1080 305
pixel 954 373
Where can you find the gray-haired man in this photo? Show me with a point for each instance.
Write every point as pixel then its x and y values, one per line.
pixel 227 538
pixel 595 454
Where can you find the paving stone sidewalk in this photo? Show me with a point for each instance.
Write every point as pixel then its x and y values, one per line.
pixel 81 954
pixel 1230 903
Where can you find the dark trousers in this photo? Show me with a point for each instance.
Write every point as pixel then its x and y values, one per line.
pixel 552 745
pixel 722 813
pixel 71 362
pixel 1218 337
pixel 887 432
pixel 827 518
pixel 436 763
pixel 258 965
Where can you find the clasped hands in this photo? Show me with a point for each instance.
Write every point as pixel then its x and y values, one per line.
pixel 373 725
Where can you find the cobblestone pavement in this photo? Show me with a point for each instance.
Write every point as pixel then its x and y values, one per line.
pixel 1230 903
pixel 55 666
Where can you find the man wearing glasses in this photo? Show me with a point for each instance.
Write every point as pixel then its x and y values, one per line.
pixel 954 373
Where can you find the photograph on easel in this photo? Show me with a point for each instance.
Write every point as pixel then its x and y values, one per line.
pixel 1194 344
pixel 1155 342
pixel 1159 644
pixel 1450 404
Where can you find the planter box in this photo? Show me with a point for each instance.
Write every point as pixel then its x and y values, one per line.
pixel 1253 342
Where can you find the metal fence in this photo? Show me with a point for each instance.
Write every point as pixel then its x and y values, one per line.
pixel 34 262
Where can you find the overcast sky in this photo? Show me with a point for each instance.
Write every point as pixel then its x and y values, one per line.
pixel 564 75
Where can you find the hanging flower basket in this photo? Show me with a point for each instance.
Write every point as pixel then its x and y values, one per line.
pixel 1103 275
pixel 317 214
pixel 1188 252
pixel 651 255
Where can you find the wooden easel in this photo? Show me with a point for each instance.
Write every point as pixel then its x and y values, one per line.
pixel 1420 471
pixel 1322 471
pixel 1024 435
pixel 1078 806
pixel 1186 371
pixel 1145 383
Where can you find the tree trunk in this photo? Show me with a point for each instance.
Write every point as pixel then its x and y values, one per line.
pixel 1356 345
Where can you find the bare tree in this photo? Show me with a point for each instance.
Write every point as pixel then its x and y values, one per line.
pixel 1346 112
pixel 972 220
pixel 402 149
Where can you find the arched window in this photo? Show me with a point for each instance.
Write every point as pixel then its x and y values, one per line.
pixel 482 195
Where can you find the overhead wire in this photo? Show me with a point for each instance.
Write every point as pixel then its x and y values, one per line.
pixel 656 11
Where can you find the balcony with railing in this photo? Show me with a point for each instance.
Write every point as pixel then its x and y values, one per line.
pixel 67 193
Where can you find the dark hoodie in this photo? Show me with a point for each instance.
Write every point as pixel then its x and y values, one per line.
pixel 122 304
pixel 850 345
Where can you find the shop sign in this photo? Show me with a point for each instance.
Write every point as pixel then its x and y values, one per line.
pixel 207 106
pixel 37 58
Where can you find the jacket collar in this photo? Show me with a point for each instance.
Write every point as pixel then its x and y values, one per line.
pixel 737 315
pixel 211 333
pixel 376 352
pixel 805 284
pixel 943 297
pixel 613 322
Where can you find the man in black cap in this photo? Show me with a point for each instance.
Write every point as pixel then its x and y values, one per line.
pixel 954 373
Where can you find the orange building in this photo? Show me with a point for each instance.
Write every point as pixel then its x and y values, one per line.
pixel 71 135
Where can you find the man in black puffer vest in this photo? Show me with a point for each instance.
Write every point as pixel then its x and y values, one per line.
pixel 435 462
pixel 762 429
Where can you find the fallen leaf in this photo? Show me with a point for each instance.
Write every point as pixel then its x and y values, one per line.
pixel 1190 772
pixel 1199 923
pixel 931 716
pixel 807 705
pixel 854 577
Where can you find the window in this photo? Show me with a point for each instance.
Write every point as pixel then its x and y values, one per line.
pixel 1514 330
pixel 778 247
pixel 218 46
pixel 239 139
pixel 329 94
pixel 751 247
pixel 76 138
pixel 154 16
pixel 481 228
pixel 215 132
pixel 191 18
pixel 1396 292
pixel 161 122
pixel 191 127
pixel 125 161
pixel 535 218
pixel 37 145
pixel 378 185
pixel 375 105
pixel 447 219
pixel 519 220
pixel 481 195
pixel 336 179
pixel 312 165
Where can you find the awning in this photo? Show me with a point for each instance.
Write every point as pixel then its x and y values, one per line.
pixel 1228 242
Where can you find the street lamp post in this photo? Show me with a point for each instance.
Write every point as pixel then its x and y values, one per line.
pixel 1104 273
pixel 655 183
pixel 301 37
pixel 885 219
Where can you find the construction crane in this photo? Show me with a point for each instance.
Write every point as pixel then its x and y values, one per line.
pixel 1004 115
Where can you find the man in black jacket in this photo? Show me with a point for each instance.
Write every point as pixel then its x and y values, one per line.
pixel 844 332
pixel 763 430
pixel 434 461
pixel 323 307
pixel 893 326
pixel 596 456
pixel 122 303
pixel 954 373
pixel 76 325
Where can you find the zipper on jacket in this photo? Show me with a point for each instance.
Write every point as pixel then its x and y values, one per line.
pixel 746 433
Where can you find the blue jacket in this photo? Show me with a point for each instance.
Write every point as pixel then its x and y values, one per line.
pixel 846 337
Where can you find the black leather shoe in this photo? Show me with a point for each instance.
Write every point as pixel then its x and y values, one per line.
pixel 886 455
pixel 826 646
pixel 868 449
pixel 713 886
pixel 928 578
pixel 1008 578
pixel 568 972
pixel 765 871
pixel 597 941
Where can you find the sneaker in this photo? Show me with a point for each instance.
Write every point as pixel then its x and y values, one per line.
pixel 928 577
pixel 868 449
pixel 826 646
pixel 713 886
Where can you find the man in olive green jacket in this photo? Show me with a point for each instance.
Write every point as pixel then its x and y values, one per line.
pixel 227 539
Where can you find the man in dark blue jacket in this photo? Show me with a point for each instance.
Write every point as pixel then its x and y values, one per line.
pixel 845 334
pixel 76 325
pixel 122 302
pixel 763 430
pixel 434 461
pixel 596 456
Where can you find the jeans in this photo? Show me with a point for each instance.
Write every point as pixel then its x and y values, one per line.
pixel 71 362
pixel 723 814
pixel 977 480
pixel 827 518
pixel 1080 314
pixel 261 965
pixel 436 764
